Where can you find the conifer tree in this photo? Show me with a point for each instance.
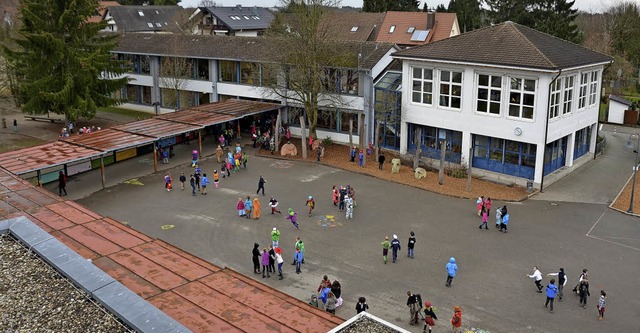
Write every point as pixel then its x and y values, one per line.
pixel 469 13
pixel 557 18
pixel 62 64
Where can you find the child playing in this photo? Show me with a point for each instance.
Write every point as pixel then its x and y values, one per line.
pixel 311 203
pixel 601 303
pixel 293 217
pixel 485 218
pixel 240 207
pixel 216 178
pixel 385 248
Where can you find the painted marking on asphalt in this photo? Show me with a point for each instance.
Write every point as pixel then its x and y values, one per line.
pixel 606 240
pixel 134 181
pixel 594 225
pixel 168 226
pixel 281 165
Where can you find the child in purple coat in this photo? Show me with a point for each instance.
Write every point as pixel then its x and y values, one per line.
pixel 293 216
pixel 265 262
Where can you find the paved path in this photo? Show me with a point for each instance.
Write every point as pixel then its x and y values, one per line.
pixel 491 287
pixel 598 181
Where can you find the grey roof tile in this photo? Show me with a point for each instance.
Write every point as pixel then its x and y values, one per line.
pixel 153 18
pixel 508 44
pixel 247 16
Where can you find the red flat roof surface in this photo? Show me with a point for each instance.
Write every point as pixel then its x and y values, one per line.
pixel 237 107
pixel 195 117
pixel 201 296
pixel 43 156
pixel 109 140
pixel 156 127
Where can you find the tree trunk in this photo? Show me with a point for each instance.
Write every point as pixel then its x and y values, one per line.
pixel 416 156
pixel 277 131
pixel 443 147
pixel 361 138
pixel 350 133
pixel 469 171
pixel 377 140
pixel 303 136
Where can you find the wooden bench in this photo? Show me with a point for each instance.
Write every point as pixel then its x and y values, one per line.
pixel 40 118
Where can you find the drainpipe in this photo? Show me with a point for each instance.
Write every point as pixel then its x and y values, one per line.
pixel 546 127
pixel 598 127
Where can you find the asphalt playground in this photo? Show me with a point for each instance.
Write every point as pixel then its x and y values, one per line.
pixel 491 287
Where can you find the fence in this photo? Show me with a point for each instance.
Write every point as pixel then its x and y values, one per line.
pixel 601 146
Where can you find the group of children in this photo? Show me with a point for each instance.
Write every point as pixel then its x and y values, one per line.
pixel 345 199
pixel 484 209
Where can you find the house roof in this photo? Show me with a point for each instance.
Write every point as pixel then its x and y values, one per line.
pixel 407 23
pixel 101 10
pixel 250 49
pixel 199 295
pixel 242 18
pixel 148 18
pixel 348 25
pixel 620 100
pixel 508 44
pixel 443 26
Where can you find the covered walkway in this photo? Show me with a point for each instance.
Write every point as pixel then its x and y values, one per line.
pixel 80 153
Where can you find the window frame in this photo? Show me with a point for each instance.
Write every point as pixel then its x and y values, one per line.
pixel 521 90
pixel 583 90
pixel 555 98
pixel 450 83
pixel 593 88
pixel 567 94
pixel 422 82
pixel 490 89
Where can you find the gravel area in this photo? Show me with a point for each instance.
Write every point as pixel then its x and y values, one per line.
pixel 623 200
pixel 337 155
pixel 367 325
pixel 35 298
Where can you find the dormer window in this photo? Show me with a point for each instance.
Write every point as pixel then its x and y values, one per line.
pixel 411 30
pixel 150 25
pixel 141 13
pixel 158 24
pixel 392 29
pixel 354 29
pixel 246 17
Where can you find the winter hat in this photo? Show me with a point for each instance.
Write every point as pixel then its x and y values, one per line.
pixel 274 228
pixel 310 197
pixel 427 304
pixel 386 237
pixel 412 233
pixel 290 211
pixel 457 309
pixel 278 250
pixel 395 236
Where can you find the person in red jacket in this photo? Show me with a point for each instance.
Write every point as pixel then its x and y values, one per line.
pixel 456 320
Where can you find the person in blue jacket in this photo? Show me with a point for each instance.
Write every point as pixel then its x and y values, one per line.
pixel 395 247
pixel 552 290
pixel 505 222
pixel 248 206
pixel 452 268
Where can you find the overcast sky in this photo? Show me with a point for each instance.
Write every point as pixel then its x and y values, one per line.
pixel 586 5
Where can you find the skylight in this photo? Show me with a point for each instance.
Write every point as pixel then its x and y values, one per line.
pixel 255 17
pixel 419 35
pixel 246 17
pixel 150 24
pixel 354 29
pixel 392 29
pixel 158 24
pixel 410 30
pixel 141 13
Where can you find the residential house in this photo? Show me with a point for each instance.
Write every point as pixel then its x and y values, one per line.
pixel 233 21
pixel 617 108
pixel 216 68
pixel 350 25
pixel 147 19
pixel 519 104
pixel 101 10
pixel 407 29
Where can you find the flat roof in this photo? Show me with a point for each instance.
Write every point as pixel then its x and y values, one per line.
pixel 45 156
pixel 107 140
pixel 199 295
pixel 157 127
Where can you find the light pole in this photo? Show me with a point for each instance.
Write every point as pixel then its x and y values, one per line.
pixel 636 149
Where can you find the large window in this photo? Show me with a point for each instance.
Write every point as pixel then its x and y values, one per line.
pixel 327 119
pixel 133 93
pixel 344 122
pixel 521 98
pixel 422 91
pixel 145 66
pixel 432 139
pixel 554 105
pixel 489 94
pixel 593 88
pixel 450 89
pixel 187 99
pixel 146 95
pixel 567 95
pixel 202 68
pixel 250 73
pixel 227 71
pixel 582 97
pixel 504 156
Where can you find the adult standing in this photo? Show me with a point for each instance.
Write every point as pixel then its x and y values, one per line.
pixel 261 182
pixel 537 278
pixel 256 258
pixel 275 237
pixel 395 247
pixel 411 244
pixel 452 270
pixel 165 156
pixel 551 290
pixel 456 320
pixel 362 305
pixel 562 281
pixel 381 159
pixel 62 183
pixel 256 208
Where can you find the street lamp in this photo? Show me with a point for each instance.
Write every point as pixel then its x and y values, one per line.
pixel 630 145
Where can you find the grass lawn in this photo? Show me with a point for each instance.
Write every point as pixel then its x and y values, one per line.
pixel 127 112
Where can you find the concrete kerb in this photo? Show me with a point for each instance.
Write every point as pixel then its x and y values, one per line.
pixel 143 317
pixel 285 158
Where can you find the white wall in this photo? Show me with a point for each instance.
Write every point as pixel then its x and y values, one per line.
pixel 336 137
pixel 140 80
pixel 190 85
pixel 616 112
pixel 248 33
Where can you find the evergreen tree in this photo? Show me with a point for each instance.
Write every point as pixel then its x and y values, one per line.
pixel 149 2
pixel 62 64
pixel 374 6
pixel 379 6
pixel 442 9
pixel 557 18
pixel 510 10
pixel 469 13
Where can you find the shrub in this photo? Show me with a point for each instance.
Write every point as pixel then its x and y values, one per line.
pixel 327 141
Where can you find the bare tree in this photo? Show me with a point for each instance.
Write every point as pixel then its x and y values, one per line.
pixel 309 62
pixel 207 3
pixel 174 73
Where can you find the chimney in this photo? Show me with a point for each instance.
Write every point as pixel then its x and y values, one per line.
pixel 239 7
pixel 431 20
pixel 255 10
